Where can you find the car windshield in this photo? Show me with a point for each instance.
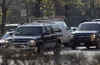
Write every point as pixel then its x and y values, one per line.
pixel 28 31
pixel 89 26
pixel 5 36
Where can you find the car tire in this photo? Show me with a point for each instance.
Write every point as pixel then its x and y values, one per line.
pixel 87 45
pixel 73 45
pixel 57 47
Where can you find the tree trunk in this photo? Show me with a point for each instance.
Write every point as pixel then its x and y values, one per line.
pixel 4 9
pixel 37 8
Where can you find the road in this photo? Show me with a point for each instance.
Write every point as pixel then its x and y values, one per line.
pixel 67 57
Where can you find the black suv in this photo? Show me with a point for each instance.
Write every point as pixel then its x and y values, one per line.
pixel 40 36
pixel 88 34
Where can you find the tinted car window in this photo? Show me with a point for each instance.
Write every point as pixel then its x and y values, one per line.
pixel 89 26
pixel 48 29
pixel 30 31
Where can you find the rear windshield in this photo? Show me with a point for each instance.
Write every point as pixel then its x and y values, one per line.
pixel 89 26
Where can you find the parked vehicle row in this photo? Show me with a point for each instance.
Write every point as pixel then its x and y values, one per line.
pixel 38 35
pixel 48 35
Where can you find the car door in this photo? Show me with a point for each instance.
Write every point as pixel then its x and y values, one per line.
pixel 66 35
pixel 49 40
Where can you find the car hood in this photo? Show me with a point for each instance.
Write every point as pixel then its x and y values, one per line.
pixel 8 38
pixel 84 32
pixel 3 40
pixel 26 37
pixel 22 37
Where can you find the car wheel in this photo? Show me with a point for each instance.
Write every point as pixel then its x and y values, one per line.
pixel 87 45
pixel 73 45
pixel 57 47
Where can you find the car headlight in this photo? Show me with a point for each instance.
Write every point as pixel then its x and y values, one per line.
pixel 93 37
pixel 32 43
pixel 3 41
pixel 6 41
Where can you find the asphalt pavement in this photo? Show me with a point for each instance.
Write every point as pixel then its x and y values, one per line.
pixel 65 58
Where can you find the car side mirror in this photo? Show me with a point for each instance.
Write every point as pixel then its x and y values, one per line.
pixel 43 35
pixel 10 34
pixel 74 29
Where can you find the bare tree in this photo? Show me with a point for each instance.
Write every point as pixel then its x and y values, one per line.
pixel 4 6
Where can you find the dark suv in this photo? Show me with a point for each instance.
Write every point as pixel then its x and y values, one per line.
pixel 88 34
pixel 39 36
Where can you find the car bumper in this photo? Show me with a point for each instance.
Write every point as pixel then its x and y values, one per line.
pixel 84 41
